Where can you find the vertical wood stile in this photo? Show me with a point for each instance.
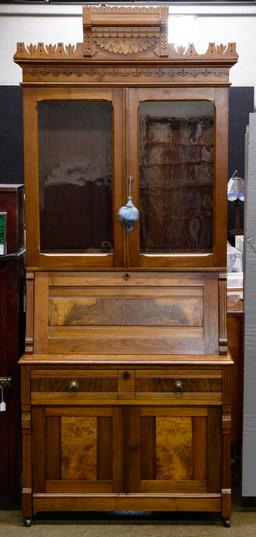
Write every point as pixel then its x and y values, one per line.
pixel 29 340
pixel 223 342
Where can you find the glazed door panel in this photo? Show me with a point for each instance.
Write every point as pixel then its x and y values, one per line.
pixel 74 171
pixel 171 449
pixel 77 450
pixel 173 156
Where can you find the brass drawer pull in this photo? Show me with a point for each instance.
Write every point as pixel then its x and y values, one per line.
pixel 178 387
pixel 73 386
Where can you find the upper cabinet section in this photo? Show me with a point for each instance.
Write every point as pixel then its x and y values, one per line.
pixel 125 103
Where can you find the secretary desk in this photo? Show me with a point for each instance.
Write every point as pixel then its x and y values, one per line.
pixel 126 379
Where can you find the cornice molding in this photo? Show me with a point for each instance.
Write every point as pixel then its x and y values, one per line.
pixel 60 51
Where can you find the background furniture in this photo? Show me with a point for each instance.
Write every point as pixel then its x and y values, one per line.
pixel 235 330
pixel 11 343
pixel 126 379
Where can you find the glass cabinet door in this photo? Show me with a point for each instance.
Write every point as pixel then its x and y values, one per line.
pixel 172 157
pixel 78 165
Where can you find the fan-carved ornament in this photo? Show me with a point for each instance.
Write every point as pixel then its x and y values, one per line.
pixel 127 46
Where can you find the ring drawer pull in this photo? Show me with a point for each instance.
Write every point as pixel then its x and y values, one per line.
pixel 178 387
pixel 73 386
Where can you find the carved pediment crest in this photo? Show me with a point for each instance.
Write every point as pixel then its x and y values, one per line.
pixel 127 31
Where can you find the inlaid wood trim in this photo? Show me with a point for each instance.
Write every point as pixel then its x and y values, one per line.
pixel 211 314
pixel 29 339
pixel 223 342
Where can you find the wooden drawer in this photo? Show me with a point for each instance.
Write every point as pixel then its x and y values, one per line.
pixel 187 386
pixel 73 386
pixel 140 386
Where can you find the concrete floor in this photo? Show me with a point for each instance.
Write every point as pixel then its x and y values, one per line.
pixel 243 524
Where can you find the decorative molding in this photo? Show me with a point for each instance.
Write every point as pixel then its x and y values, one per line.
pixel 26 419
pixel 41 51
pixel 214 52
pixel 60 51
pixel 111 11
pixel 125 42
pixel 94 74
pixel 223 342
pixel 29 338
pixel 30 275
pixel 226 423
pixel 226 492
pixel 125 30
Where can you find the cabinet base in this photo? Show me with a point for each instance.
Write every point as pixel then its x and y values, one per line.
pixel 127 502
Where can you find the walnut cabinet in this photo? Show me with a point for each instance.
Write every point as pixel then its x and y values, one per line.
pixel 126 379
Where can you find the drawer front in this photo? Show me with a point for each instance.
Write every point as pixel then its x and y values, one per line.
pixel 180 386
pixel 74 386
pixel 119 386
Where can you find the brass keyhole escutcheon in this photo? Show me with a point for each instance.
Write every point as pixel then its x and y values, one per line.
pixel 126 276
pixel 126 375
pixel 73 386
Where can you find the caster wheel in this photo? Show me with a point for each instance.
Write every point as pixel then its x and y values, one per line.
pixel 226 522
pixel 28 522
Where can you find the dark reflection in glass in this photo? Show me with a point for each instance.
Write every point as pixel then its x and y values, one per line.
pixel 75 172
pixel 176 176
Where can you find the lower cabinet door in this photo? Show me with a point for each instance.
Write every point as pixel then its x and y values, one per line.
pixel 129 449
pixel 77 449
pixel 173 449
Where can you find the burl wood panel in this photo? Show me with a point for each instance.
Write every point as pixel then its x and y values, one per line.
pixel 79 448
pixel 173 448
pixel 127 310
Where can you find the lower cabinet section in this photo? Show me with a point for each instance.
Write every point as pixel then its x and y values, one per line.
pixel 126 449
pixel 142 450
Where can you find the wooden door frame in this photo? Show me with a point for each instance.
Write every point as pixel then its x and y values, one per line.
pixel 219 97
pixel 35 258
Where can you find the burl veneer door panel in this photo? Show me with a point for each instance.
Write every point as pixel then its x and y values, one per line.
pixel 77 450
pixel 178 165
pixel 171 450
